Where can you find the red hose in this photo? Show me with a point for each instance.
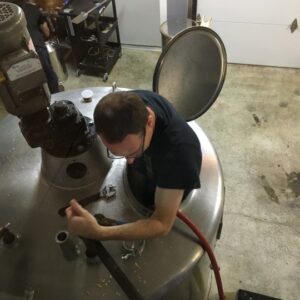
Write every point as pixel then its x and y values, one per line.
pixel 207 248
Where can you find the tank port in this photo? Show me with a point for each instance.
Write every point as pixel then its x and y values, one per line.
pixel 69 249
pixel 8 238
pixel 76 170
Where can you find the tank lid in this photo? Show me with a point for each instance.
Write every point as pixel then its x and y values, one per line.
pixel 191 70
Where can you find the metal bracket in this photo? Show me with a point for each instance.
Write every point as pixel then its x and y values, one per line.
pixel 205 21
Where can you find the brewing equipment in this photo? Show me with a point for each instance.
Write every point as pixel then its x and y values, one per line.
pixel 93 35
pixel 56 59
pixel 56 156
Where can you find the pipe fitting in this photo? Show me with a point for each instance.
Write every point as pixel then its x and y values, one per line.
pixel 69 249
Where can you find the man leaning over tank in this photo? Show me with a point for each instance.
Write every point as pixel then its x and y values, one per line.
pixel 163 156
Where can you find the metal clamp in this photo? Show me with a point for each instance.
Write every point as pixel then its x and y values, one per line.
pixel 108 191
pixel 133 248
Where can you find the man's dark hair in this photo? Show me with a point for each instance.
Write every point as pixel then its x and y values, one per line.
pixel 118 114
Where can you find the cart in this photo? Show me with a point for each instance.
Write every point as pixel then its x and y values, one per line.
pixel 94 38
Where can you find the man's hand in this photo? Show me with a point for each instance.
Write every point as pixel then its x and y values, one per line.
pixel 81 222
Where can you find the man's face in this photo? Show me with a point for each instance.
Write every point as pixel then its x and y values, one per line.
pixel 131 147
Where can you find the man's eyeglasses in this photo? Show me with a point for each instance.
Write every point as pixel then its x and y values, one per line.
pixel 136 154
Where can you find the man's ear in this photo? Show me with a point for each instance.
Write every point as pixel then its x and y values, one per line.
pixel 150 120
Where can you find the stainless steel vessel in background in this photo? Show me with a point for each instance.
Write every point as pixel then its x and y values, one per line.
pixel 57 62
pixel 170 28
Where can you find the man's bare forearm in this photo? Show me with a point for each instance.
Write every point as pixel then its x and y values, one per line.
pixel 141 229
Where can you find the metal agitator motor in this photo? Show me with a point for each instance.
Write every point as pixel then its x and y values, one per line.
pixel 54 155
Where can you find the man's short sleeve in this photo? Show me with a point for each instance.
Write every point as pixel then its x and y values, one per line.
pixel 179 168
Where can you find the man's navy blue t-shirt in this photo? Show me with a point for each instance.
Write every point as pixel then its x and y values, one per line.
pixel 173 159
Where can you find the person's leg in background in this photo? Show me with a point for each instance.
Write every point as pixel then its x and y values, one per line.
pixel 52 78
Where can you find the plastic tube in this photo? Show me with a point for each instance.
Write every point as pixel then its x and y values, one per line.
pixel 205 245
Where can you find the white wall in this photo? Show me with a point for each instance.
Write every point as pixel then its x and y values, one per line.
pixel 256 31
pixel 163 11
pixel 139 22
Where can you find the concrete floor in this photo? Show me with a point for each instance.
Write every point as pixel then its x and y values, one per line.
pixel 254 126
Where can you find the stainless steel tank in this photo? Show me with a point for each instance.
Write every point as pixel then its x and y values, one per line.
pixel 35 263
